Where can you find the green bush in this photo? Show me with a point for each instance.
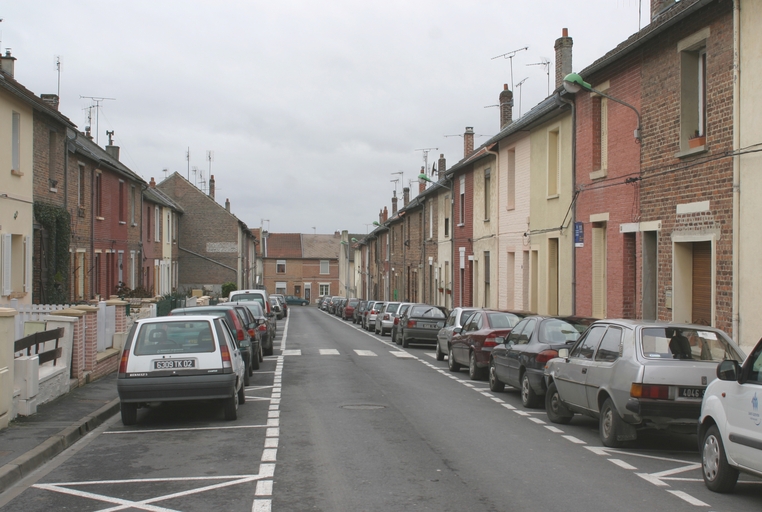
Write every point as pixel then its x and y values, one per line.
pixel 227 288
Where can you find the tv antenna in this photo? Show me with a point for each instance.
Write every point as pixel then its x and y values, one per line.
pixel 166 172
pixel 426 158
pixel 401 175
pixel 210 158
pixel 58 71
pixel 187 157
pixel 395 181
pixel 97 100
pixel 510 56
pixel 546 64
pixel 520 88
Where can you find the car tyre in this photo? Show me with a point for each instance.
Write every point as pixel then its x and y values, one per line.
pixel 719 476
pixel 246 376
pixel 231 407
pixel 439 353
pixel 129 413
pixel 256 360
pixel 557 411
pixel 528 397
pixel 495 384
pixel 452 365
pixel 610 425
pixel 242 395
pixel 474 372
pixel 405 342
pixel 268 351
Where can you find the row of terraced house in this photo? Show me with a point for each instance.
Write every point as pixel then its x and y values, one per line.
pixel 631 191
pixel 77 225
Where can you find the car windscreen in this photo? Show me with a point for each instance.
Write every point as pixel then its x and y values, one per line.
pixel 500 320
pixel 688 344
pixel 248 297
pixel 426 312
pixel 174 338
pixel 560 331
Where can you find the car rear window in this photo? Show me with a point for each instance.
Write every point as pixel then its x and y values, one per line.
pixel 426 312
pixel 686 344
pixel 503 320
pixel 248 297
pixel 174 338
pixel 392 308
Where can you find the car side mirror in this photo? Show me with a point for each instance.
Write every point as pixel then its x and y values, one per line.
pixel 457 330
pixel 262 321
pixel 563 353
pixel 500 340
pixel 728 370
pixel 245 343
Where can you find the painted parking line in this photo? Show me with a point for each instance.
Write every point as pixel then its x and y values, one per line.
pixel 292 352
pixel 402 354
pixel 688 498
pixel 329 352
pixel 365 353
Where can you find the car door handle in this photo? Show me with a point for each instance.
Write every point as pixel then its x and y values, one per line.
pixel 584 370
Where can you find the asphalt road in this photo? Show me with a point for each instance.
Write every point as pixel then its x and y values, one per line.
pixel 343 420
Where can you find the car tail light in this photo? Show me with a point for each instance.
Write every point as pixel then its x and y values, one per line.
pixel 411 323
pixel 649 391
pixel 386 317
pixel 262 327
pixel 490 341
pixel 123 362
pixel 546 355
pixel 226 361
pixel 396 321
pixel 252 333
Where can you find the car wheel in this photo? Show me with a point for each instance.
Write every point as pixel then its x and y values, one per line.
pixel 242 395
pixel 718 475
pixel 394 338
pixel 557 411
pixel 231 407
pixel 405 342
pixel 528 397
pixel 268 351
pixel 261 355
pixel 129 413
pixel 451 364
pixel 246 377
pixel 495 384
pixel 474 372
pixel 440 354
pixel 610 422
pixel 255 361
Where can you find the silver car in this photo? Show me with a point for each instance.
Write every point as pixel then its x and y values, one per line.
pixel 457 318
pixel 632 374
pixel 385 318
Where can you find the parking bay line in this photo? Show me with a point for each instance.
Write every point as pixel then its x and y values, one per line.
pixel 155 431
pixel 687 497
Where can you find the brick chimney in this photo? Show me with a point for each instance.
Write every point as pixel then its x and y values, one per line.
pixel 405 196
pixel 422 183
pixel 211 186
pixel 468 141
pixel 7 63
pixel 394 203
pixel 563 57
pixel 441 166
pixel 152 183
pixel 227 205
pixel 113 151
pixel 506 107
pixel 659 6
pixel 386 214
pixel 51 100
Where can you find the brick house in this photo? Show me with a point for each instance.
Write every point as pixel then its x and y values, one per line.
pixel 160 243
pixel 302 265
pixel 399 242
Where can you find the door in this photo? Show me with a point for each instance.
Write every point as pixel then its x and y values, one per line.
pixel 701 307
pixel 516 347
pixel 602 367
pixel 571 374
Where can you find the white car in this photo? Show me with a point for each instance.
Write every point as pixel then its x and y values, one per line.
pixel 730 425
pixel 180 358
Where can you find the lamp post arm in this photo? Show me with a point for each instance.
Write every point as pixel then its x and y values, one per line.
pixel 637 130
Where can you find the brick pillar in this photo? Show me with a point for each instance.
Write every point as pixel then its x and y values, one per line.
pixel 77 341
pixel 91 336
pixel 121 314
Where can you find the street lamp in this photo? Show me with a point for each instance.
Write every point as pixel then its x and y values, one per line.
pixel 573 83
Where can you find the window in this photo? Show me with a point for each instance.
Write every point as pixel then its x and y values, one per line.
pixel 446 215
pixel 431 219
pixel 169 227
pixel 81 187
pixel 486 279
pixel 98 195
pixel 462 203
pixel 16 264
pixel 586 346
pixel 324 268
pixel 52 160
pixel 133 203
pixel 175 224
pixel 553 162
pixel 280 287
pixel 16 143
pixel 280 267
pixel 297 290
pixel 79 272
pixel 324 289
pixel 148 223
pixel 122 206
pixel 510 180
pixel 693 72
pixel 157 224
pixel 609 349
pixel 487 194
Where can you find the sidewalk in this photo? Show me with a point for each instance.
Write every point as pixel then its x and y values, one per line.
pixel 29 442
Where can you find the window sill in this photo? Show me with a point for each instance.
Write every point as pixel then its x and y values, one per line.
pixel 459 225
pixel 122 222
pixel 53 189
pixel 134 224
pixel 555 196
pixel 600 173
pixel 691 152
pixel 98 217
pixel 16 172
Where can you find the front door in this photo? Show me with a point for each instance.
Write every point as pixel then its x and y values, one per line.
pixel 571 375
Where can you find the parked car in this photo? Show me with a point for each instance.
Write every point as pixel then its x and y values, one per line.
pixel 275 307
pixel 368 307
pixel 385 318
pixel 456 318
pixel 359 310
pixel 730 425
pixel 293 300
pixel 472 344
pixel 239 324
pixel 370 322
pixel 520 359
pixel 420 324
pixel 180 358
pixel 283 304
pixel 404 306
pixel 260 296
pixel 266 326
pixel 349 308
pixel 332 303
pixel 338 309
pixel 633 374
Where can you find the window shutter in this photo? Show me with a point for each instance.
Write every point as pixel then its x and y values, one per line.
pixel 27 264
pixel 5 247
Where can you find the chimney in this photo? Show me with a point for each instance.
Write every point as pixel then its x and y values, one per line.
pixel 227 205
pixel 468 141
pixel 51 100
pixel 506 107
pixel 421 183
pixel 211 186
pixel 113 151
pixel 659 6
pixel 7 63
pixel 386 214
pixel 152 183
pixel 380 216
pixel 394 203
pixel 405 196
pixel 441 166
pixel 563 57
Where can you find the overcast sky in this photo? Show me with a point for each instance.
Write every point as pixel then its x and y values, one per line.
pixel 307 106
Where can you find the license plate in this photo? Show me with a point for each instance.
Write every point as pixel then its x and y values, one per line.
pixel 691 392
pixel 174 364
pixel 429 326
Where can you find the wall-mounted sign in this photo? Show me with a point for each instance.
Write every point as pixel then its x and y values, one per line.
pixel 579 234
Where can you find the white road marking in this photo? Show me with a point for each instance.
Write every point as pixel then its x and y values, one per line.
pixel 368 353
pixel 598 450
pixel 669 472
pixel 273 414
pixel 269 455
pixel 509 407
pixel 161 431
pixel 537 420
pixel 271 442
pixel 555 430
pixel 264 488
pixel 432 355
pixel 262 506
pixel 521 413
pixel 652 479
pixel 496 399
pixel 402 354
pixel 574 439
pixel 292 352
pixel 273 432
pixel 329 352
pixel 622 464
pixel 690 499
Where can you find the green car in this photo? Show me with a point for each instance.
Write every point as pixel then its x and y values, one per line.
pixel 293 300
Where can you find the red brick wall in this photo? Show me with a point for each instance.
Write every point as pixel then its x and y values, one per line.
pixel 462 235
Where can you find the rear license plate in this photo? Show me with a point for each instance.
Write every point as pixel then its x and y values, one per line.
pixel 429 326
pixel 174 364
pixel 690 392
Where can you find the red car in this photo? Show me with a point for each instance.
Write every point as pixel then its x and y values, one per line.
pixel 349 309
pixel 472 344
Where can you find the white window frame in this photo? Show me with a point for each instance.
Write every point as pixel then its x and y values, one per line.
pixel 278 263
pixel 324 287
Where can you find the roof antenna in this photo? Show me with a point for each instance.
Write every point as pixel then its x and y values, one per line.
pixel 546 63
pixel 510 55
pixel 97 107
pixel 520 89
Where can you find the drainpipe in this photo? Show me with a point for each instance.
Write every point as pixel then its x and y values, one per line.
pixel 497 205
pixel 562 101
pixel 736 334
